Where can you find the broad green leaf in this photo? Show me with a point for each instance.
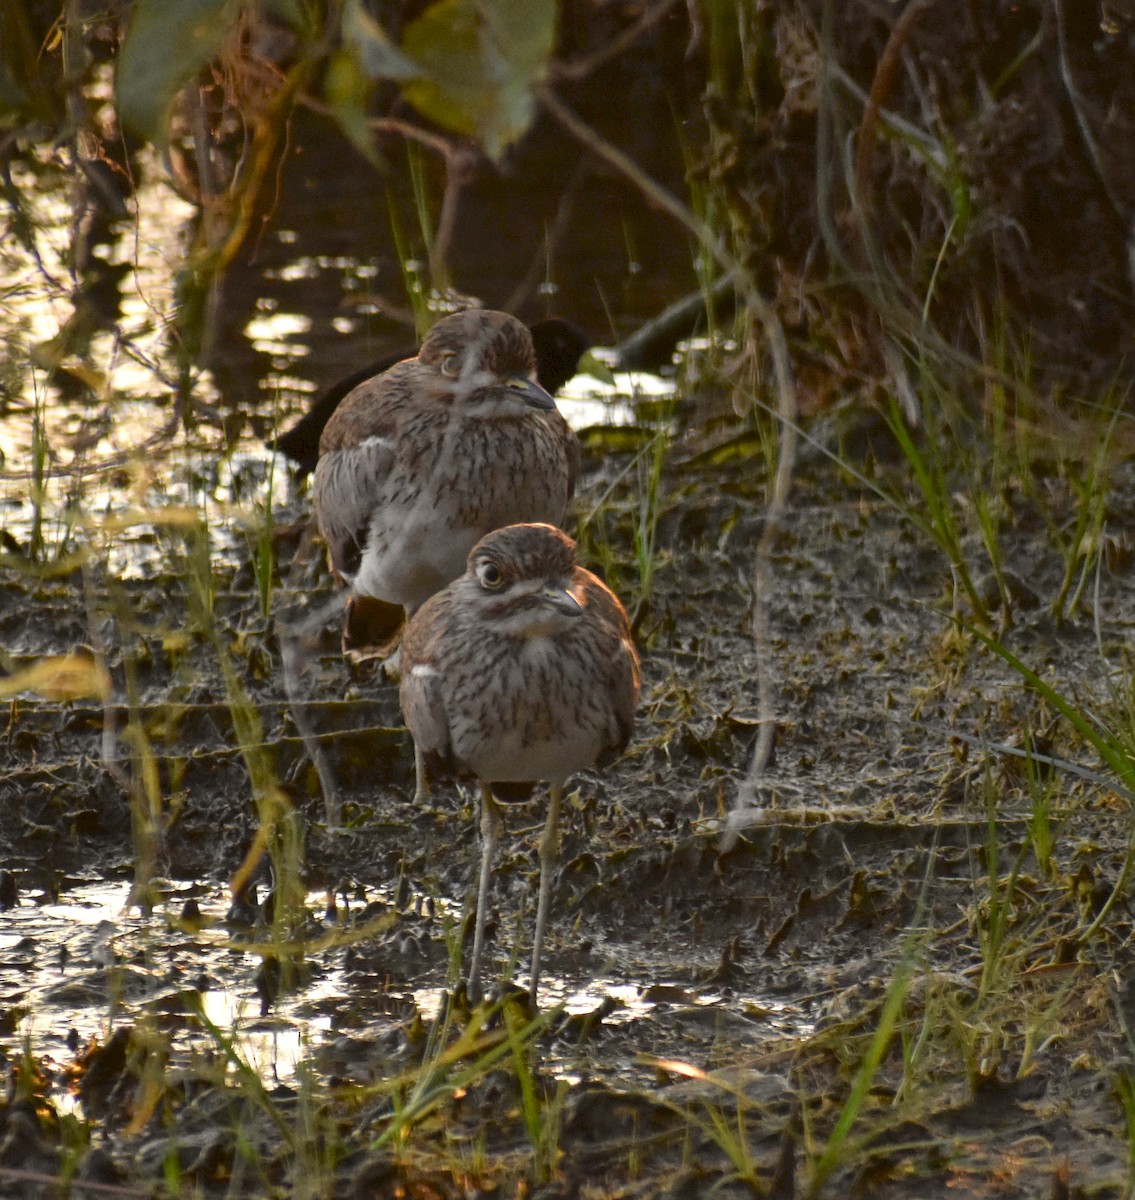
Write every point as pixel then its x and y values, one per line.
pixel 346 88
pixel 376 53
pixel 591 364
pixel 521 32
pixel 517 40
pixel 445 42
pixel 168 42
pixel 481 59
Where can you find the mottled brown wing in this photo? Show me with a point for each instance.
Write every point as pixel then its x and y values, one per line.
pixel 344 500
pixel 625 694
pixel 623 663
pixel 574 455
pixel 356 454
pixel 423 704
pixel 373 409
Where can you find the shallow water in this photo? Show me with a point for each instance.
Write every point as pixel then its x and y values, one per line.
pixel 111 446
pixel 77 966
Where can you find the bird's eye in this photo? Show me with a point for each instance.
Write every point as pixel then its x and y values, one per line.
pixel 489 575
pixel 449 364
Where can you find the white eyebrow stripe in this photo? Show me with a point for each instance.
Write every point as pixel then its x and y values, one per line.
pixel 470 380
pixel 423 670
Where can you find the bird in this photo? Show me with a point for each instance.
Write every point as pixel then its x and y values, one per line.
pixel 420 462
pixel 559 346
pixel 523 670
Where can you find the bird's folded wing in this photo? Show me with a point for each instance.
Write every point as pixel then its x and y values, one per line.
pixel 348 486
pixel 424 710
pixel 623 666
pixel 624 697
pixel 574 460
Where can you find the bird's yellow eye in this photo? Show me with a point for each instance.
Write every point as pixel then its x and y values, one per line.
pixel 489 575
pixel 449 364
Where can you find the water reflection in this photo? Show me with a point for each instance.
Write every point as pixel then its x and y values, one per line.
pixel 586 401
pixel 89 964
pixel 90 423
pixel 76 967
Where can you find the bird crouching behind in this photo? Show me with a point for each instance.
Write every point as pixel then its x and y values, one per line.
pixel 419 463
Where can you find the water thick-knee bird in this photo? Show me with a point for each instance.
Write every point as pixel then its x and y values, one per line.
pixel 559 347
pixel 521 671
pixel 417 464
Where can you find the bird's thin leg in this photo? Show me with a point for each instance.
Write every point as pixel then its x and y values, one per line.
pixel 294 641
pixel 490 836
pixel 422 790
pixel 549 852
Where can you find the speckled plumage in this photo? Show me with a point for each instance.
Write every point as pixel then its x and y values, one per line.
pixel 419 463
pixel 522 670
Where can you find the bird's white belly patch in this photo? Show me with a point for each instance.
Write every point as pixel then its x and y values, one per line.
pixel 408 562
pixel 509 758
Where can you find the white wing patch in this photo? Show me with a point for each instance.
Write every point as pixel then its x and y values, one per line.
pixel 377 442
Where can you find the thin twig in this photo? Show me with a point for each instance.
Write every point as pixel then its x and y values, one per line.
pixel 584 65
pixel 407 129
pixel 460 169
pixel 775 514
pixel 294 644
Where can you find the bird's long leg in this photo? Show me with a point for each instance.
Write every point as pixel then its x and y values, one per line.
pixel 490 836
pixel 294 644
pixel 549 852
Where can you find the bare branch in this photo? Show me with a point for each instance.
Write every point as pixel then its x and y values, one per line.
pixel 1076 99
pixel 768 319
pixel 580 68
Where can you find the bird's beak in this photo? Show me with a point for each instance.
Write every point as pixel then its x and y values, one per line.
pixel 530 392
pixel 562 599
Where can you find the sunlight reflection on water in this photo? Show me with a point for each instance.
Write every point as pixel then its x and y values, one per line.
pixel 86 963
pixel 587 401
pixel 39 302
pixel 100 455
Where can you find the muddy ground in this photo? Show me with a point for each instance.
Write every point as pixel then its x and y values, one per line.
pixel 720 1004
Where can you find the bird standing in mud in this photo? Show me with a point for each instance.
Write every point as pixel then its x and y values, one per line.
pixel 417 464
pixel 521 671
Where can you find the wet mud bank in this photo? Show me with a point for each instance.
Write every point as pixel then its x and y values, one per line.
pixel 908 872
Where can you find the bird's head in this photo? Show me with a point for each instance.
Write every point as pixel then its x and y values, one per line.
pixel 523 578
pixel 485 359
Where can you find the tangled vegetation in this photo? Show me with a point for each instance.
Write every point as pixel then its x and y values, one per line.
pixel 853 916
